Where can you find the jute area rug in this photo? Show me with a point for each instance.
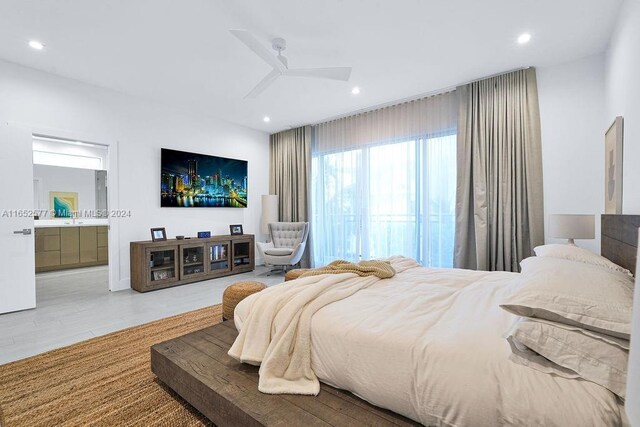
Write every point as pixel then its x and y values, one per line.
pixel 105 381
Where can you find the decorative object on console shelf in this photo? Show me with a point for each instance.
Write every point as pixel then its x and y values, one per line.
pixel 218 253
pixel 572 227
pixel 161 275
pixel 204 234
pixel 236 229
pixel 158 234
pixel 179 237
pixel 613 159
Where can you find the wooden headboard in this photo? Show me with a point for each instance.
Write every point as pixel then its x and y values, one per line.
pixel 619 240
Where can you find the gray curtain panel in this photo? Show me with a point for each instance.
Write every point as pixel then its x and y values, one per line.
pixel 290 177
pixel 499 200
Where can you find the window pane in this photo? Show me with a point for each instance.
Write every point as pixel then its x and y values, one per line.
pixel 391 221
pixel 66 160
pixel 386 199
pixel 339 200
pixel 440 172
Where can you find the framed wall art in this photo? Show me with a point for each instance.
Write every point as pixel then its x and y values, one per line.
pixel 63 204
pixel 613 141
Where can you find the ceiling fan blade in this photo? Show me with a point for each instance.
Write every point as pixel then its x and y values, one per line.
pixel 264 83
pixel 334 73
pixel 252 43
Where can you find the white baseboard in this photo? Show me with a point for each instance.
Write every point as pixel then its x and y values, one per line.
pixel 122 285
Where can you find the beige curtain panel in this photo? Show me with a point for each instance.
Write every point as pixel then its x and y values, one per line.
pixel 499 199
pixel 425 116
pixel 289 176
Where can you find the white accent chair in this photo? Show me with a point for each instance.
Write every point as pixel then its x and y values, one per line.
pixel 287 245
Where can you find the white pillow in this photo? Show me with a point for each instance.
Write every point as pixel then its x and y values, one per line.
pixel 619 342
pixel 573 293
pixel 560 351
pixel 523 355
pixel 576 253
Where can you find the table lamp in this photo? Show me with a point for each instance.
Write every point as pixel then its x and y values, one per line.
pixel 572 227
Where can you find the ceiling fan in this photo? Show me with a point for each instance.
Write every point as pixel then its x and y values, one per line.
pixel 280 64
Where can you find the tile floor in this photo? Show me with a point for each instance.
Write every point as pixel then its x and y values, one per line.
pixel 76 305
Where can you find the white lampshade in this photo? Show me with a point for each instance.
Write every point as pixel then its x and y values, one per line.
pixel 269 211
pixel 632 403
pixel 572 226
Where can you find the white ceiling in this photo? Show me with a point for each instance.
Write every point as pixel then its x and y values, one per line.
pixel 181 52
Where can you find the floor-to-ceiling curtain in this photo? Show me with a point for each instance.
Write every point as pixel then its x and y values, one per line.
pixel 499 204
pixel 383 183
pixel 289 172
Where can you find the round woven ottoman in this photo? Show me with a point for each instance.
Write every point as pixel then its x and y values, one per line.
pixel 294 274
pixel 236 293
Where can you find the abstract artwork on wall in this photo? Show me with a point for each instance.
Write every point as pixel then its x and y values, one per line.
pixel 63 204
pixel 613 168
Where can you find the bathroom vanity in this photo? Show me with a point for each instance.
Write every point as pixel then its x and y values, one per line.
pixel 66 244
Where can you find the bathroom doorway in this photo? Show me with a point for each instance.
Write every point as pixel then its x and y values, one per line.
pixel 71 221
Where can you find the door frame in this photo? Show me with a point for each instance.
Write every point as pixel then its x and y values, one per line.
pixel 115 281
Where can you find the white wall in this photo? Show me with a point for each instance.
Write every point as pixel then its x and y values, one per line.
pixel 67 108
pixel 623 97
pixel 572 111
pixel 56 178
pixel 578 101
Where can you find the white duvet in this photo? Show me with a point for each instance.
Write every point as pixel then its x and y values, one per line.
pixel 429 344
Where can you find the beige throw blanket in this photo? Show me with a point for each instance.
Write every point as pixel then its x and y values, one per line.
pixel 381 269
pixel 276 334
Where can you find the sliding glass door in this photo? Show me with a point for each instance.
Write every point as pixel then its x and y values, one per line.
pixel 438 201
pixel 391 198
pixel 337 206
pixel 390 222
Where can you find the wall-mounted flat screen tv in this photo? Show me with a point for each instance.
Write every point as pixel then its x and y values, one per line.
pixel 190 180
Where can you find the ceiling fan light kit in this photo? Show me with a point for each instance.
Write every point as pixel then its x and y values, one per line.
pixel 279 44
pixel 280 64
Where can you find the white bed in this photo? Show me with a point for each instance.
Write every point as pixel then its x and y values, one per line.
pixel 430 344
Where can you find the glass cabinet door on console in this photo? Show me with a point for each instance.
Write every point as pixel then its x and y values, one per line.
pixel 163 265
pixel 192 260
pixel 242 255
pixel 218 257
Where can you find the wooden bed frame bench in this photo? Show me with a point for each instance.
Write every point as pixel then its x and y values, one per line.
pixel 198 368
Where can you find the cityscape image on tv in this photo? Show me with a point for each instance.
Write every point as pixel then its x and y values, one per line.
pixel 197 180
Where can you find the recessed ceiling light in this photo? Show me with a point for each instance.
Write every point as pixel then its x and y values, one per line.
pixel 524 38
pixel 355 90
pixel 35 44
pixel 266 119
